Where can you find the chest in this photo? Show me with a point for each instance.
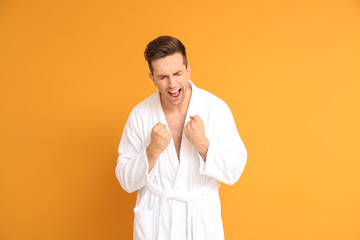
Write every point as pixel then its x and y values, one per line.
pixel 176 126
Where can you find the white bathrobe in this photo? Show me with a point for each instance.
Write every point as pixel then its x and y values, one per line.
pixel 180 199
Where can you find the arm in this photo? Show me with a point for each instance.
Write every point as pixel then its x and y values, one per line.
pixel 152 156
pixel 135 161
pixel 203 148
pixel 132 164
pixel 226 154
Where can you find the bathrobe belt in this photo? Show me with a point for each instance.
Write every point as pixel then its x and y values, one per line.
pixel 186 197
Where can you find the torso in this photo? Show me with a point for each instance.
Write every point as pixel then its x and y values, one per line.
pixel 176 125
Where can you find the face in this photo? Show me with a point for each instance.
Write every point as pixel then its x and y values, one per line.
pixel 171 77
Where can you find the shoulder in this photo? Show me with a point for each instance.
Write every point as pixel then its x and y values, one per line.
pixel 212 102
pixel 144 108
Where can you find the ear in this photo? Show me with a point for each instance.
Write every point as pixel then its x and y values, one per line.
pixel 189 70
pixel 151 77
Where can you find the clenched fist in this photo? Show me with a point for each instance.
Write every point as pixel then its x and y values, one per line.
pixel 195 132
pixel 160 139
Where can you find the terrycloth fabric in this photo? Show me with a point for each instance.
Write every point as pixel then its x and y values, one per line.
pixel 160 211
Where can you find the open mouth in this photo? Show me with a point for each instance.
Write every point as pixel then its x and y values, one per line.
pixel 175 93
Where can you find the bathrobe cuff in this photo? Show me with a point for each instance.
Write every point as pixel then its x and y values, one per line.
pixel 223 165
pixel 207 167
pixel 133 172
pixel 144 162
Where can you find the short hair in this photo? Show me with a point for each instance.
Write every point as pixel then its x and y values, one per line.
pixel 163 46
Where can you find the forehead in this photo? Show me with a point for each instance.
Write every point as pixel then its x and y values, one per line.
pixel 168 64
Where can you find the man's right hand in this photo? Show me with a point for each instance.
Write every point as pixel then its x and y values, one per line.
pixel 160 139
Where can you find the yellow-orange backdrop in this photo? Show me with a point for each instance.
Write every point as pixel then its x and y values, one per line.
pixel 71 71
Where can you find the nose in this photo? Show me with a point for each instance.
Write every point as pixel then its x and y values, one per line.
pixel 172 83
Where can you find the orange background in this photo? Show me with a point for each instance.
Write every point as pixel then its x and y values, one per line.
pixel 71 71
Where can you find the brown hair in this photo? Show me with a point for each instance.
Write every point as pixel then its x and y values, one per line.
pixel 164 46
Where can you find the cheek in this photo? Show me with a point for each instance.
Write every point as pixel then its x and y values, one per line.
pixel 187 75
pixel 160 85
pixel 184 78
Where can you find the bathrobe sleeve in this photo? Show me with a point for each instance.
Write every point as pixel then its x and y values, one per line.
pixel 226 156
pixel 132 164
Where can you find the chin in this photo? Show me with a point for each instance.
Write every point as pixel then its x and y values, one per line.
pixel 180 101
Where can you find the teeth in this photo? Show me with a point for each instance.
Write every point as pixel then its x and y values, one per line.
pixel 175 91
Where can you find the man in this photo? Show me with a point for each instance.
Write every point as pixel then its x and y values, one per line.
pixel 176 145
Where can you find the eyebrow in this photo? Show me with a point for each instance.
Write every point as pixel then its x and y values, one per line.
pixel 165 75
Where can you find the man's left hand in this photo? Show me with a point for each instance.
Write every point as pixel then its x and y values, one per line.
pixel 195 132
